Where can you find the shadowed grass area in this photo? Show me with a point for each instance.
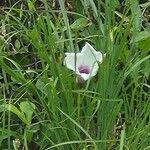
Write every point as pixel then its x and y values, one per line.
pixel 41 104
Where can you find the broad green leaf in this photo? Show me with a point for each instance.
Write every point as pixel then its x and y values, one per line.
pixel 41 86
pixel 144 44
pixel 79 24
pixel 17 44
pixel 143 40
pixel 16 111
pixel 28 108
pixel 146 68
pixel 142 36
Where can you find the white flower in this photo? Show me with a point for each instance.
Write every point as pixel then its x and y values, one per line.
pixel 85 63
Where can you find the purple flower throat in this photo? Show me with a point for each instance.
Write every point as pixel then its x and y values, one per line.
pixel 84 69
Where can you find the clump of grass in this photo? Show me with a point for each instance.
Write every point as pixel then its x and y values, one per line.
pixel 42 106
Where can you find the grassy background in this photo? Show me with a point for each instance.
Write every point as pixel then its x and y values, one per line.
pixel 41 105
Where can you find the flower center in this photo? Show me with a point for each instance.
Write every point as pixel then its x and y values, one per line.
pixel 84 69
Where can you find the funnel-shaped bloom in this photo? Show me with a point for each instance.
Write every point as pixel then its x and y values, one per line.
pixel 85 63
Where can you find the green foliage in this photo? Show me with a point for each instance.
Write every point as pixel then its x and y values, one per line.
pixel 27 108
pixel 41 104
pixel 143 40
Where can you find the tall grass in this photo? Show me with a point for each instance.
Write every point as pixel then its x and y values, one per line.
pixel 42 105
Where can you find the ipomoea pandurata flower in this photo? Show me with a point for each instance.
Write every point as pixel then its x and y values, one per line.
pixel 84 63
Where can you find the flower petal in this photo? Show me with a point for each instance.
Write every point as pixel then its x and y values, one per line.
pixel 86 65
pixel 88 50
pixel 93 72
pixel 83 77
pixel 69 60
